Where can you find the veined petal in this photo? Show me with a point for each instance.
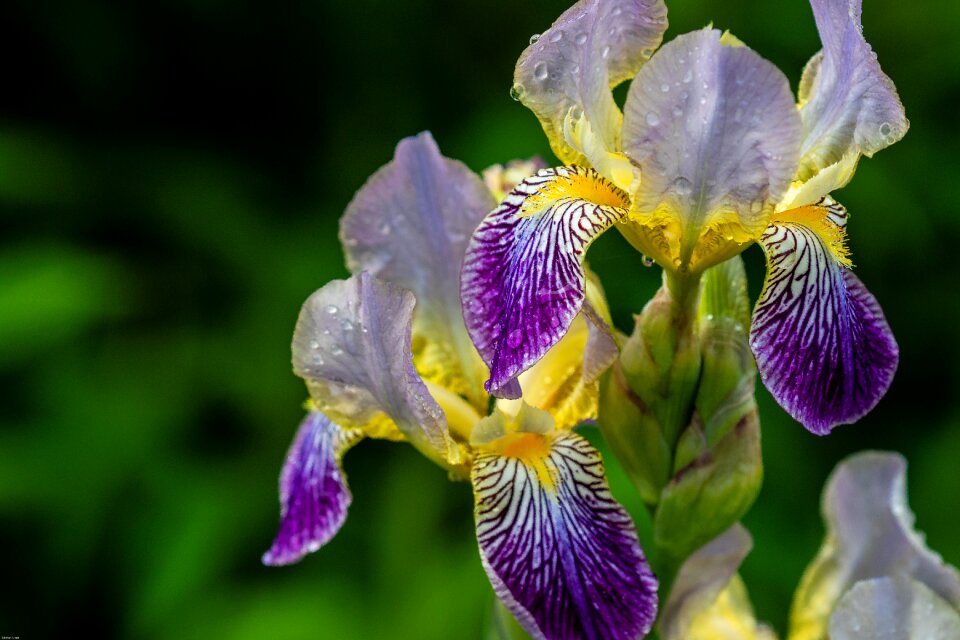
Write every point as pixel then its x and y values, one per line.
pixel 823 347
pixel 893 609
pixel 561 553
pixel 409 225
pixel 313 489
pixel 523 280
pixel 352 346
pixel 870 534
pixel 569 70
pixel 848 105
pixel 715 132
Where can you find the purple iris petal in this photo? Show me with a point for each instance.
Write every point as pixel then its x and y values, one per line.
pixel 849 104
pixel 593 46
pixel 410 225
pixel 352 346
pixel 313 490
pixel 823 347
pixel 523 280
pixel 714 130
pixel 561 553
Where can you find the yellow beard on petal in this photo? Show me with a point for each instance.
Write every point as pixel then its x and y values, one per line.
pixel 532 449
pixel 576 185
pixel 818 218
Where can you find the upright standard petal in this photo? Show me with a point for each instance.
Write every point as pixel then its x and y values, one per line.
pixel 313 489
pixel 848 105
pixel 352 346
pixel 571 67
pixel 409 225
pixel 701 579
pixel 870 534
pixel 823 347
pixel 893 609
pixel 561 553
pixel 523 280
pixel 715 133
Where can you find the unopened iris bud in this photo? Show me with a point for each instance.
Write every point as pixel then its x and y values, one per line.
pixel 717 469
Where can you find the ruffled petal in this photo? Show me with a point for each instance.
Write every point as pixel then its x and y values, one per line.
pixel 701 579
pixel 561 553
pixel 523 279
pixel 352 346
pixel 567 73
pixel 870 534
pixel 893 609
pixel 313 489
pixel 716 134
pixel 822 344
pixel 848 105
pixel 409 225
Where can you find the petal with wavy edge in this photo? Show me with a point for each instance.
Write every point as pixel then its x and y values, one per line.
pixel 893 609
pixel 593 46
pixel 870 534
pixel 523 279
pixel 716 134
pixel 352 346
pixel 313 489
pixel 701 579
pixel 561 553
pixel 409 225
pixel 848 105
pixel 823 347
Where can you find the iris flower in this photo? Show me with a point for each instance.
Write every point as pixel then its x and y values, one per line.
pixel 385 354
pixel 874 576
pixel 711 154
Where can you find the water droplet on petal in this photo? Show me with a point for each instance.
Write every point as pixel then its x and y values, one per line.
pixel 653 119
pixel 682 186
pixel 605 52
pixel 557 36
pixel 648 261
pixel 517 91
pixel 580 38
pixel 616 11
pixel 688 76
pixel 314 345
pixel 540 71
pixel 534 38
pixel 646 53
pixel 885 129
pixel 385 228
pixel 665 87
pixel 332 309
pixel 677 112
pixel 346 325
pixel 514 339
pixel 336 350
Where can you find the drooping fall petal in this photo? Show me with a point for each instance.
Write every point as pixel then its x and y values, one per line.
pixel 523 279
pixel 313 489
pixel 822 344
pixel 561 553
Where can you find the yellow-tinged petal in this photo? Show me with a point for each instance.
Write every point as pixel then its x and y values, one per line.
pixel 828 220
pixel 461 416
pixel 730 617
pixel 823 183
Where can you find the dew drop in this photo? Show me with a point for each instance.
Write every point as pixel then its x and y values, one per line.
pixel 616 11
pixel 540 71
pixel 534 38
pixel 605 52
pixel 653 119
pixel 346 325
pixel 336 350
pixel 677 112
pixel 557 36
pixel 517 91
pixel 646 53
pixel 332 309
pixel 665 87
pixel 648 261
pixel 703 99
pixel 885 129
pixel 688 76
pixel 682 186
pixel 580 38
pixel 385 228
pixel 514 339
pixel 314 345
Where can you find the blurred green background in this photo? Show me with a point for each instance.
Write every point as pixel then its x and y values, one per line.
pixel 171 176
